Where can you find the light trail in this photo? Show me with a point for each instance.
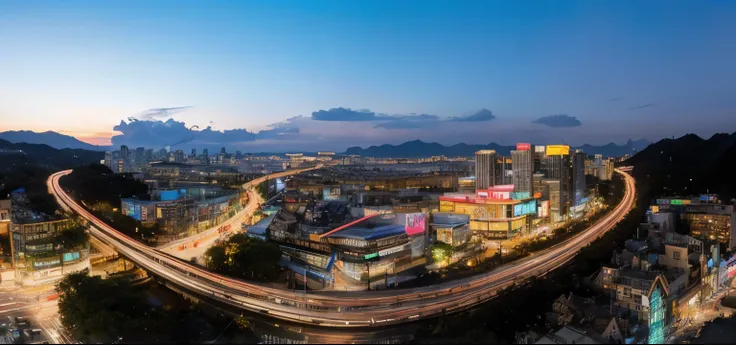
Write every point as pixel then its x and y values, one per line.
pixel 346 309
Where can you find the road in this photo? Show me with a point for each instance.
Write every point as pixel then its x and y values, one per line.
pixel 40 312
pixel 351 308
pixel 196 245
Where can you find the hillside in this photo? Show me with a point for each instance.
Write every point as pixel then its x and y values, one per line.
pixel 418 148
pixel 50 138
pixel 13 156
pixel 688 165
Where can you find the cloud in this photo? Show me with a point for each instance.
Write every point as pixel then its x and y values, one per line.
pixel 344 114
pixel 558 121
pixel 642 106
pixel 157 113
pixel 480 115
pixel 157 134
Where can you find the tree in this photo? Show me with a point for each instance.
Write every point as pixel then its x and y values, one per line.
pixel 73 238
pixel 441 251
pixel 245 257
pixel 97 310
pixel 216 259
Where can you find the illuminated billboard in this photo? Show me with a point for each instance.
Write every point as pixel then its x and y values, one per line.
pixel 415 223
pixel 524 208
pixel 523 146
pixel 543 210
pixel 520 195
pixel 558 150
pixel 331 193
pixel 169 195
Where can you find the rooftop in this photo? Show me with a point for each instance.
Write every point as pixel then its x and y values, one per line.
pixel 370 233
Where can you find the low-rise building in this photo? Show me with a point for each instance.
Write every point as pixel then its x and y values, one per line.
pixel 493 213
pixel 38 254
pixel 451 228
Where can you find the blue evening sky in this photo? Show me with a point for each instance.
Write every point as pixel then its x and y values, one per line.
pixel 623 69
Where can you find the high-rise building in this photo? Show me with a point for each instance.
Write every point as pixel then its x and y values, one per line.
pixel 108 160
pixel 605 171
pixel 485 169
pixel 125 157
pixel 504 170
pixel 179 156
pixel 149 155
pixel 598 159
pixel 205 156
pixel 194 153
pixel 523 168
pixel 556 205
pixel 222 150
pixel 578 176
pixel 559 167
pixel 539 156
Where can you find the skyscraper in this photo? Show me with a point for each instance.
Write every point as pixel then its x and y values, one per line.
pixel 124 153
pixel 523 168
pixel 124 158
pixel 205 156
pixel 108 160
pixel 578 176
pixel 539 156
pixel 559 167
pixel 504 170
pixel 194 153
pixel 485 172
pixel 140 156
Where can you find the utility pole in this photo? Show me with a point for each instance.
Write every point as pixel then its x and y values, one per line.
pixel 368 266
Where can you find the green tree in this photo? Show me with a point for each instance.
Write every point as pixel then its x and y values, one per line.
pixel 216 259
pixel 97 310
pixel 441 251
pixel 73 238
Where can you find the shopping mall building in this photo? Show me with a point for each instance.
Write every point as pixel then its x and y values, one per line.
pixel 498 212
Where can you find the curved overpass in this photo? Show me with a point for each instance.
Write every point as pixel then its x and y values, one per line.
pixel 346 309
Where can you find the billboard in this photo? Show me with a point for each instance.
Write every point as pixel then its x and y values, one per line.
pixel 331 193
pixel 558 150
pixel 523 146
pixel 524 208
pixel 169 195
pixel 543 209
pixel 415 223
pixel 520 195
pixel 71 256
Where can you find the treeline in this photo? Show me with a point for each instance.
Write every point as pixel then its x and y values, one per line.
pixel 96 183
pixel 101 190
pixel 113 310
pixel 245 257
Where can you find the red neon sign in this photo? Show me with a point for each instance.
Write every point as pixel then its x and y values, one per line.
pixel 523 146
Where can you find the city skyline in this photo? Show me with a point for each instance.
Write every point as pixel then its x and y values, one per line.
pixel 280 76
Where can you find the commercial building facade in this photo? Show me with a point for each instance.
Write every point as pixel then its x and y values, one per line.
pixel 523 168
pixel 486 173
pixel 38 259
pixel 578 177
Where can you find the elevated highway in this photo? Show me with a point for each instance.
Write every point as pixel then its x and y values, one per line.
pixel 346 309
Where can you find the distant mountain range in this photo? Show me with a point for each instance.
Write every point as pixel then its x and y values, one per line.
pixel 50 138
pixel 13 156
pixel 418 148
pixel 688 165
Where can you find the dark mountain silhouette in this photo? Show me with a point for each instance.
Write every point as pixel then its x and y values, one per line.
pixel 688 165
pixel 13 156
pixel 418 148
pixel 50 138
